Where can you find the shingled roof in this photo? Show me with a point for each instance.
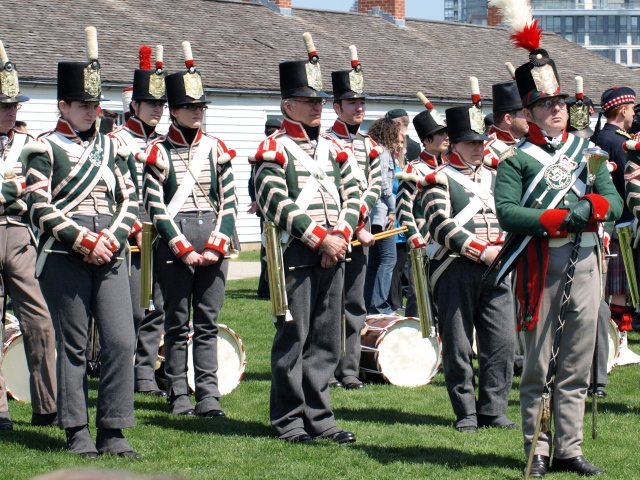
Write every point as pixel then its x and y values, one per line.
pixel 237 46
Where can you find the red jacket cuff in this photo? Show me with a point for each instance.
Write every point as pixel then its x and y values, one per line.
pixel 219 244
pixel 417 242
pixel 551 220
pixel 599 207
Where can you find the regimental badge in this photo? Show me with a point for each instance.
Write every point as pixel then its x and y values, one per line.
pixel 156 86
pixel 476 119
pixel 436 117
pixel 314 77
pixel 95 156
pixel 557 176
pixel 579 116
pixel 545 79
pixel 9 83
pixel 92 81
pixel 193 85
pixel 568 163
pixel 356 81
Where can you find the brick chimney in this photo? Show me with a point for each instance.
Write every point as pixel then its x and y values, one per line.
pixel 283 7
pixel 493 16
pixel 391 10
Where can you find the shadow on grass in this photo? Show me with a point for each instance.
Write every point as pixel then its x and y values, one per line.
pixel 447 457
pixel 243 293
pixel 258 376
pixel 388 416
pixel 49 438
pixel 218 426
pixel 611 407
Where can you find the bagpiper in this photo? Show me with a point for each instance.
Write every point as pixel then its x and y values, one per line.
pixel 541 201
pixel 18 258
pixel 349 103
pixel 84 202
pixel 191 199
pixel 145 106
pixel 305 186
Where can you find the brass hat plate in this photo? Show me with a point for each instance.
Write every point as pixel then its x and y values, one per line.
pixel 437 117
pixel 314 76
pixel 356 81
pixel 9 83
pixel 476 119
pixel 193 85
pixel 579 116
pixel 92 81
pixel 545 79
pixel 157 87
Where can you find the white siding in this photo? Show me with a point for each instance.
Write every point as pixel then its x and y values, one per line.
pixel 237 120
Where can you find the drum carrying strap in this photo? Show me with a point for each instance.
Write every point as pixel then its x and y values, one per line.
pixel 193 169
pixel 318 178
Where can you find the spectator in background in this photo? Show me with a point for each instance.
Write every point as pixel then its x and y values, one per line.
pixel 382 255
pixel 20 126
pixel 108 121
pixel 401 117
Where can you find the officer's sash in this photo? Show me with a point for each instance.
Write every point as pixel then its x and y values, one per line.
pixel 7 164
pixel 90 169
pixel 543 193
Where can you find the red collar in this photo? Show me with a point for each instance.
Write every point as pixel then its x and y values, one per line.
pixel 456 162
pixel 65 129
pixel 341 129
pixel 538 138
pixel 134 126
pixel 295 130
pixel 431 160
pixel 502 135
pixel 177 138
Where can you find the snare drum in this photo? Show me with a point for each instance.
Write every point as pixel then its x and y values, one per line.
pixel 232 361
pixel 14 365
pixel 394 351
pixel 615 341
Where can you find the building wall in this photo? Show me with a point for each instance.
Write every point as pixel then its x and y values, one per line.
pixel 237 120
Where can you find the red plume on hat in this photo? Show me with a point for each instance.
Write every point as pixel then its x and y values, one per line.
pixel 144 55
pixel 517 14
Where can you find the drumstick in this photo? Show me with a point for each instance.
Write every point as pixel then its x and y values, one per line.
pixel 62 252
pixel 300 267
pixel 226 256
pixel 134 249
pixel 382 235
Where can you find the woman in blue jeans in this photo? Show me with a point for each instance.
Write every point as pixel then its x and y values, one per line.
pixel 382 255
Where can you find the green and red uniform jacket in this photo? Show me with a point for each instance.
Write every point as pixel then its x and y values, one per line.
pixel 279 179
pixel 215 186
pixel 12 201
pixel 408 208
pixel 59 184
pixel 535 225
pixel 366 152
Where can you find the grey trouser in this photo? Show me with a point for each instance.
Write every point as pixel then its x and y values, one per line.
pixel 17 267
pixel 184 288
pixel 305 350
pixel 464 301
pixel 149 325
pixel 574 357
pixel 604 315
pixel 355 273
pixel 74 291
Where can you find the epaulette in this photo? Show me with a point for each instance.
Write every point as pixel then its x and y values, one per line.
pixel 228 155
pixel 623 133
pixel 268 151
pixel 36 146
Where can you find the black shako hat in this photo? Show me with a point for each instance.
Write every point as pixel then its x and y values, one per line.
pixel 302 78
pixel 426 124
pixel 349 83
pixel 149 84
pixel 81 80
pixel 538 78
pixel 9 85
pixel 463 124
pixel 184 88
pixel 506 97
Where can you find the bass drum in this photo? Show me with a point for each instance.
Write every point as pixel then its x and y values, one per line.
pixel 394 351
pixel 14 365
pixel 232 361
pixel 615 342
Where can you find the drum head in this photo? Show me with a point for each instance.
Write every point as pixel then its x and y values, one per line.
pixel 14 367
pixel 614 345
pixel 405 358
pixel 231 360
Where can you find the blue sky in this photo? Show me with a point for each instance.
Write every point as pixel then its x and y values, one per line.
pixel 431 9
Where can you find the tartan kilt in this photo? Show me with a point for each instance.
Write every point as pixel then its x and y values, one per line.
pixel 616 274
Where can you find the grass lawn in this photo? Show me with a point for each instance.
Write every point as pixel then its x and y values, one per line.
pixel 401 432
